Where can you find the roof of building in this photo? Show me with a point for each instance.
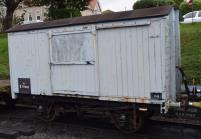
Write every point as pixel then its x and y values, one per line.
pixel 103 18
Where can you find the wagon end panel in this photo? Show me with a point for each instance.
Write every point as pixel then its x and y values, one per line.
pixel 172 55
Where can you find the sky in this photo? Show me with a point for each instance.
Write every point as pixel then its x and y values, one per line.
pixel 116 5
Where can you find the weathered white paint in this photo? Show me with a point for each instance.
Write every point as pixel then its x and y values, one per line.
pixel 29 58
pixel 120 61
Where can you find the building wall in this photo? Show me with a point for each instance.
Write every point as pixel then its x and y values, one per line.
pixel 2 11
pixel 93 8
pixel 2 15
pixel 37 14
pixel 31 14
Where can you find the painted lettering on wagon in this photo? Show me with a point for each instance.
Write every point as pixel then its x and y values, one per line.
pixel 156 96
pixel 24 85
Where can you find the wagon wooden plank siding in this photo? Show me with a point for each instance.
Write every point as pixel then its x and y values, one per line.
pixel 118 57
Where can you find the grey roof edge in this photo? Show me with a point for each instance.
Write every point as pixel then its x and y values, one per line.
pixel 103 18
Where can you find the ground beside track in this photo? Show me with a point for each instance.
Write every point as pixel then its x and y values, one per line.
pixel 70 127
pixel 4 83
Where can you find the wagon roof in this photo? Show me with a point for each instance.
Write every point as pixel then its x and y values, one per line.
pixel 103 18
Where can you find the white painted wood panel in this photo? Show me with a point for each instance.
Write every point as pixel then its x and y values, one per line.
pixel 73 79
pixel 73 63
pixel 30 59
pixel 132 64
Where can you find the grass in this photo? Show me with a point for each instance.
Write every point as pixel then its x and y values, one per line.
pixel 190 48
pixel 4 70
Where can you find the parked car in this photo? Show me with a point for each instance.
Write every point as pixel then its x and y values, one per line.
pixel 192 17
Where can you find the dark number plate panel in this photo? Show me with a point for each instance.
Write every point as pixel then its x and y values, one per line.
pixel 24 85
pixel 156 96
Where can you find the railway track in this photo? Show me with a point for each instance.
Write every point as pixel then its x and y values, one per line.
pixel 69 126
pixel 184 121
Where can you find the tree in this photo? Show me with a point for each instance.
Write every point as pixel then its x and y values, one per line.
pixel 184 7
pixel 152 3
pixel 62 8
pixel 178 2
pixel 28 3
pixel 11 6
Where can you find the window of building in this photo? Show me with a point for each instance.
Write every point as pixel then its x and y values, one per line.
pixel 30 17
pixel 38 17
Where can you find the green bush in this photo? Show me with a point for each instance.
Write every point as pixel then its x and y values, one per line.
pixel 184 7
pixel 4 71
pixel 178 2
pixel 62 13
pixel 152 3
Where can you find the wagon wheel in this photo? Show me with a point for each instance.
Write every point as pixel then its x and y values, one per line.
pixel 126 121
pixel 49 113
